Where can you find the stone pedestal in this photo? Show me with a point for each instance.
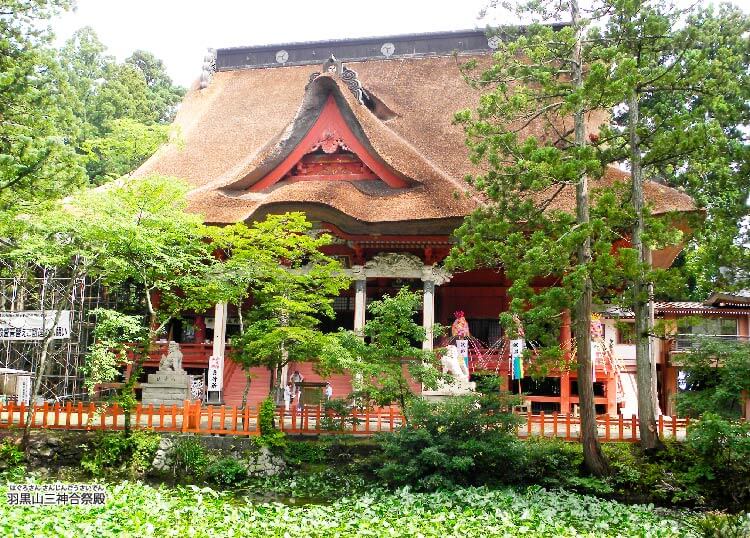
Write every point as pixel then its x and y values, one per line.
pixel 458 387
pixel 168 387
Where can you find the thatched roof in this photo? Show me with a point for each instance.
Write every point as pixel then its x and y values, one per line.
pixel 235 130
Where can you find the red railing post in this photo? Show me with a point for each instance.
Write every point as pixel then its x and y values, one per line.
pixel 661 426
pixel 11 406
pixel 554 424
pixel 223 417
pixel 234 419
pixel 185 415
pixel 529 417
pixel 607 434
pixel 209 418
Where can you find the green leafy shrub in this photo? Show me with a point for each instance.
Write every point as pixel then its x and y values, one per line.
pixel 226 472
pixel 143 447
pixel 718 525
pixel 547 462
pixel 117 452
pixel 266 416
pixel 722 459
pixel 299 452
pixel 189 456
pixel 337 415
pixel 107 453
pixel 12 466
pixel 464 440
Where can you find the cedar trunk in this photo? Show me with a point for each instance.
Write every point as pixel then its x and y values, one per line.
pixel 643 323
pixel 593 457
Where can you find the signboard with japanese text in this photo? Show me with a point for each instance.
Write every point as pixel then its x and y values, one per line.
pixel 517 347
pixel 463 349
pixel 33 324
pixel 23 389
pixel 215 373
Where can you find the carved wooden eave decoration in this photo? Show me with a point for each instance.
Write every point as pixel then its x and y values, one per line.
pixel 330 151
pixel 399 265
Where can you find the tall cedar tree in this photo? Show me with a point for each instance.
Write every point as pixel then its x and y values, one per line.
pixel 538 83
pixel 681 79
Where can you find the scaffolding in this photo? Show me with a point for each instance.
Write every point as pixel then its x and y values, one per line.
pixel 63 376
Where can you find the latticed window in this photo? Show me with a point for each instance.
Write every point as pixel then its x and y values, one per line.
pixel 343 304
pixel 688 334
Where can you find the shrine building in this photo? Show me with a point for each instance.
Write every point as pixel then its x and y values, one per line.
pixel 358 134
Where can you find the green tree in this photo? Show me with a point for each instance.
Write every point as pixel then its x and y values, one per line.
pixel 717 379
pixel 164 93
pixel 121 108
pixel 279 264
pixel 538 78
pixel 35 161
pixel 40 248
pixel 390 358
pixel 682 78
pixel 148 241
pixel 125 147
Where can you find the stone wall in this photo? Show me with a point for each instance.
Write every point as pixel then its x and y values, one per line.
pixel 51 450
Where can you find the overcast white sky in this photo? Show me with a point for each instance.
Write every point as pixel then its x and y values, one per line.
pixel 180 31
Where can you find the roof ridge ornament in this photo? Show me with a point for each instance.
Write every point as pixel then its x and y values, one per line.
pixel 209 68
pixel 348 76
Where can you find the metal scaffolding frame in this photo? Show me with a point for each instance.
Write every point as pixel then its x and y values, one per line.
pixel 63 376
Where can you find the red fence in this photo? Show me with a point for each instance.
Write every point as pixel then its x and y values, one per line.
pixel 312 420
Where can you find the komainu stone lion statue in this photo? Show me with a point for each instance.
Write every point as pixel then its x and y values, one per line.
pixel 173 359
pixel 454 364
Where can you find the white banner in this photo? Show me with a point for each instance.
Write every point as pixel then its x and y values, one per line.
pixel 215 373
pixel 463 350
pixel 27 325
pixel 517 347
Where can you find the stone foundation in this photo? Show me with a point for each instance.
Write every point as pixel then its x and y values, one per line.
pixel 166 387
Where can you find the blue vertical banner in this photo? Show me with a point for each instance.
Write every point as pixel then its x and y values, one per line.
pixel 516 358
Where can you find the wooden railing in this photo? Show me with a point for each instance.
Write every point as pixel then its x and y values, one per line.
pixel 191 417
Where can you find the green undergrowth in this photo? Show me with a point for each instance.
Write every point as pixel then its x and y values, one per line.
pixel 136 509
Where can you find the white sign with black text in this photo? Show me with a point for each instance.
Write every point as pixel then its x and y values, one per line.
pixel 34 325
pixel 215 373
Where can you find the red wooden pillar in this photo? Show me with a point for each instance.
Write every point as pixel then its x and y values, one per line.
pixel 611 391
pixel 565 343
pixel 200 329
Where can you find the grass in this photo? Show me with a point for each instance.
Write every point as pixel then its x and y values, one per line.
pixel 136 509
